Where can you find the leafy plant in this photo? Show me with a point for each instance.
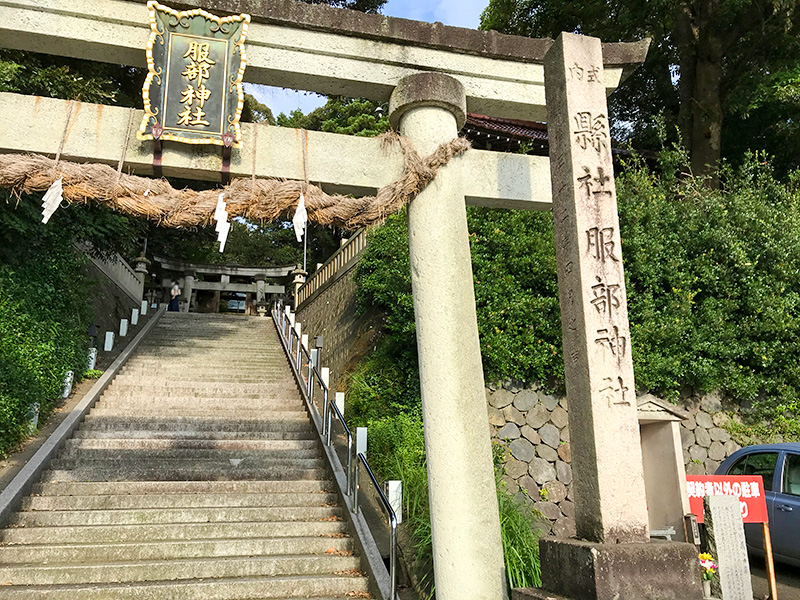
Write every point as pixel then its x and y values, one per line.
pixel 519 533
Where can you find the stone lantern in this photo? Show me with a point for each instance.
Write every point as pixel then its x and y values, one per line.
pixel 299 280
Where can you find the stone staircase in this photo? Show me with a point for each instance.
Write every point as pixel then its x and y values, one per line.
pixel 197 475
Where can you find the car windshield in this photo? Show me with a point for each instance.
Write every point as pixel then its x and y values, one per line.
pixel 761 463
pixel 791 475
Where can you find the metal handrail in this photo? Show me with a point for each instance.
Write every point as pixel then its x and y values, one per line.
pixel 297 356
pixel 334 410
pixel 387 508
pixel 329 410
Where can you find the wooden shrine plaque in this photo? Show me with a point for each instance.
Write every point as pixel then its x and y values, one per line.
pixel 193 91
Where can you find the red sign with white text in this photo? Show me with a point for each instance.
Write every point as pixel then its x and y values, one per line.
pixel 748 488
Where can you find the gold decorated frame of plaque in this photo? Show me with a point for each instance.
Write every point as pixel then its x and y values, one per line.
pixel 193 91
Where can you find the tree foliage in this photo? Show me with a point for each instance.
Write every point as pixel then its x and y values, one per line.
pixel 720 71
pixel 367 6
pixel 348 116
pixel 44 307
pixel 713 280
pixel 70 79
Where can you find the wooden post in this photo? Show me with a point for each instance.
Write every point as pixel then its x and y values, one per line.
pixel 770 563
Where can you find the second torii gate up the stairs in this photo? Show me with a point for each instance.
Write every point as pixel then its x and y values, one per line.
pixel 431 75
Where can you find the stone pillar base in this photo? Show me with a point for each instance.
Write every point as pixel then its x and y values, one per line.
pixel 578 570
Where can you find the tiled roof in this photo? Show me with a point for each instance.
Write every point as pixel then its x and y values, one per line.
pixel 530 130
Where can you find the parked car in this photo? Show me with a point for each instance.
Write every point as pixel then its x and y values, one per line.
pixel 779 465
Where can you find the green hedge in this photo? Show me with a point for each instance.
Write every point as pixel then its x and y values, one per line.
pixel 713 281
pixel 44 304
pixel 43 320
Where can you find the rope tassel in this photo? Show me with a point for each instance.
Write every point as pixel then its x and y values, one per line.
pixel 260 200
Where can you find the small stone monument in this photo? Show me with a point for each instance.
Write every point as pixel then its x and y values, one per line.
pixel 723 518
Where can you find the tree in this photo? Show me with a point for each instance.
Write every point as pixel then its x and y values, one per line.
pixel 716 68
pixel 349 116
pixel 254 111
pixel 367 6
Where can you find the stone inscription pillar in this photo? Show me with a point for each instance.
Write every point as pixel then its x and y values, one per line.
pixel 604 432
pixel 429 108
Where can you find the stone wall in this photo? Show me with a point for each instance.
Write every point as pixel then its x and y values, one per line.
pixel 331 313
pixel 706 443
pixel 532 427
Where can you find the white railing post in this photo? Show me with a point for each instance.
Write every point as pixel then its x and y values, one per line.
pixel 394 494
pixel 312 361
pixel 298 327
pixel 361 441
pixel 325 375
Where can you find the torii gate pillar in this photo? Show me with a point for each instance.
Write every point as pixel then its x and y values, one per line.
pixel 430 108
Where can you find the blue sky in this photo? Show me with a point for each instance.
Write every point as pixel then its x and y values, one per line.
pixel 459 13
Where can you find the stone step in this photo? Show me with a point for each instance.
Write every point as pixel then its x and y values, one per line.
pixel 211 358
pixel 269 401
pixel 223 362
pixel 178 569
pixel 232 462
pixel 162 550
pixel 318 587
pixel 184 473
pixel 207 388
pixel 167 408
pixel 267 390
pixel 202 379
pixel 73 518
pixel 213 375
pixel 127 455
pixel 142 501
pixel 105 534
pixel 181 376
pixel 183 487
pixel 197 366
pixel 269 396
pixel 121 409
pixel 196 424
pixel 236 344
pixel 188 371
pixel 137 444
pixel 194 435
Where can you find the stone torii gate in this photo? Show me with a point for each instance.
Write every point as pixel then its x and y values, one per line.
pixel 431 75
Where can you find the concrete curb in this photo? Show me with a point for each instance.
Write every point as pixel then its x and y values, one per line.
pixel 20 486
